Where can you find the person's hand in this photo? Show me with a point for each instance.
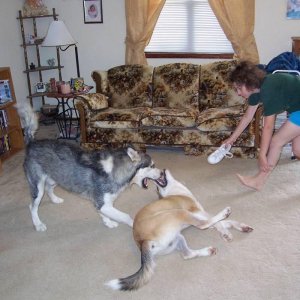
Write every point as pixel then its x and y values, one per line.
pixel 263 163
pixel 228 141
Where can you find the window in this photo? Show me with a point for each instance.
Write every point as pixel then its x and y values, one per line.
pixel 188 28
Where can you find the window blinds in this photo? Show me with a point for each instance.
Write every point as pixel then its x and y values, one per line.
pixel 188 26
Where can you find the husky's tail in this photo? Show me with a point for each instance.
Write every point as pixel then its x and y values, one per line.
pixel 28 119
pixel 141 277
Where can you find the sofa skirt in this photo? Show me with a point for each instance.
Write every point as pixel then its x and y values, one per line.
pixel 192 140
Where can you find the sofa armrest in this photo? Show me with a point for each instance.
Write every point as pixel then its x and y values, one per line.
pixel 94 101
pixel 86 104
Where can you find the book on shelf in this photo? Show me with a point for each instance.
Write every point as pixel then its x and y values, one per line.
pixel 4 144
pixel 4 138
pixel 3 119
pixel 5 93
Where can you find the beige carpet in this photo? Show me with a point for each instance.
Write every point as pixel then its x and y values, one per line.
pixel 77 254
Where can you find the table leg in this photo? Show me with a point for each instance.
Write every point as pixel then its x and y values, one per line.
pixel 65 119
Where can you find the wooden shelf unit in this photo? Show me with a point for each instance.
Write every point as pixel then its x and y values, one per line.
pixel 39 68
pixel 13 131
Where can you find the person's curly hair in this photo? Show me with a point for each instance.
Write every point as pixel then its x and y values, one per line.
pixel 248 74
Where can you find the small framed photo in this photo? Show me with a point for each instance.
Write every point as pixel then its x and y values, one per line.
pixel 40 87
pixel 92 10
pixel 293 9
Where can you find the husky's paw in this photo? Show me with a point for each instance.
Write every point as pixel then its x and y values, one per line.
pixel 40 227
pixel 56 199
pixel 109 223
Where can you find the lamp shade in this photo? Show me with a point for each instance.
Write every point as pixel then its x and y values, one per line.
pixel 58 35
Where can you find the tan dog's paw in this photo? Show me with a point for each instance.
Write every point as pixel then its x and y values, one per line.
pixel 212 250
pixel 246 228
pixel 208 251
pixel 227 212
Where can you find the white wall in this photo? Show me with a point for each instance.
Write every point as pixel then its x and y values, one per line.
pixel 102 45
pixel 273 31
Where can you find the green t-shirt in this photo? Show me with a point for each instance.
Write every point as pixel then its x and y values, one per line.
pixel 279 92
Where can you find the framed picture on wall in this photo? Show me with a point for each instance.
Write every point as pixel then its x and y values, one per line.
pixel 293 9
pixel 92 10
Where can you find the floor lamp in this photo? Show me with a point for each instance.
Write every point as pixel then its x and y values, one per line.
pixel 58 35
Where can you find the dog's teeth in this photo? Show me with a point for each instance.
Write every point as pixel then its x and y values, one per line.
pixel 145 183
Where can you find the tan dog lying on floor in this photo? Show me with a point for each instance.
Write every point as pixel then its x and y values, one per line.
pixel 157 229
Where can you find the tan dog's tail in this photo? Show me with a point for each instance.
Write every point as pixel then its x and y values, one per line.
pixel 141 277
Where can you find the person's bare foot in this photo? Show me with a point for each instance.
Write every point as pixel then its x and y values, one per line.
pixel 252 182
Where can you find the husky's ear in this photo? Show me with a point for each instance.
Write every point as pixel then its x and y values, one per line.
pixel 134 156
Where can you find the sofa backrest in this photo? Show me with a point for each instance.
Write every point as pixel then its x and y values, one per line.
pixel 215 88
pixel 129 86
pixel 176 85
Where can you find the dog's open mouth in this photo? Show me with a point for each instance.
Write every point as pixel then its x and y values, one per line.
pixel 161 181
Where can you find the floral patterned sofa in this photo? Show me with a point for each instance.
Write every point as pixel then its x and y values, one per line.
pixel 180 105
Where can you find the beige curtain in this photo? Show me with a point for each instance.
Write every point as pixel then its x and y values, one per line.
pixel 141 17
pixel 236 17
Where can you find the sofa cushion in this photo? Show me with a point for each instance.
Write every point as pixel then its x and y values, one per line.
pixel 215 88
pixel 220 119
pixel 170 117
pixel 130 86
pixel 176 86
pixel 118 118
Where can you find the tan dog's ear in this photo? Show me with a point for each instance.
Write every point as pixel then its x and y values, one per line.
pixel 168 174
pixel 134 155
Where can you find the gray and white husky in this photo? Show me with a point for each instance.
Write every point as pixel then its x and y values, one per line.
pixel 98 175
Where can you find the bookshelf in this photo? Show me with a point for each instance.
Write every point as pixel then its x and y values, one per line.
pixel 11 135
